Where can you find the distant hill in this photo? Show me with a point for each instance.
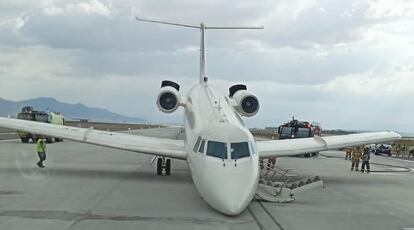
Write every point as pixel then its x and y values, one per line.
pixel 70 111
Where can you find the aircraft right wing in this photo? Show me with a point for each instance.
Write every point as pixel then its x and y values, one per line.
pixel 292 147
pixel 135 143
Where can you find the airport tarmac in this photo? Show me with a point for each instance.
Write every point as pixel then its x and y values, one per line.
pixel 90 187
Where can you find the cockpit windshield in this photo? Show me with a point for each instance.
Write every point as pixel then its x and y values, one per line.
pixel 217 149
pixel 239 150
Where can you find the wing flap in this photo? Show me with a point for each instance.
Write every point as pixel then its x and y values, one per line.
pixel 292 147
pixel 148 145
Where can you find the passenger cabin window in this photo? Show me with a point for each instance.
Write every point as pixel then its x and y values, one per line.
pixel 217 149
pixel 201 149
pixel 239 150
pixel 197 144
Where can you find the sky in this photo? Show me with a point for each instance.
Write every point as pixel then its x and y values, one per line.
pixel 345 64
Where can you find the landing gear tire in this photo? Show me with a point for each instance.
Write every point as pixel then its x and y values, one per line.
pixel 168 167
pixel 159 166
pixel 24 139
pixel 34 138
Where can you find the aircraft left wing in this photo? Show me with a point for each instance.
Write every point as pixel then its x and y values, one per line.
pixel 292 147
pixel 174 132
pixel 135 143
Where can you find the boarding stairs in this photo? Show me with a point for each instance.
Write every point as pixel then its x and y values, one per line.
pixel 279 185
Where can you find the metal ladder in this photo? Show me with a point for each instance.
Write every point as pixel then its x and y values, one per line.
pixel 278 185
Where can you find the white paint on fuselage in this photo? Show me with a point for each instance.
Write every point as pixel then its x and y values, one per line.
pixel 226 185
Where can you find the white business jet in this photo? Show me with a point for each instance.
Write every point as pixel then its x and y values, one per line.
pixel 220 151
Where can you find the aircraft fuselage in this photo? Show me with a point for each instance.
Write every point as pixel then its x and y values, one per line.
pixel 215 134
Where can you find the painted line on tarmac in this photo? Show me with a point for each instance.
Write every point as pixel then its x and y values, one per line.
pixel 256 220
pixel 386 174
pixel 271 216
pixel 9 140
pixel 408 159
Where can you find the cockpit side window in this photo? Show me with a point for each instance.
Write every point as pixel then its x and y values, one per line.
pixel 239 150
pixel 197 144
pixel 217 149
pixel 201 149
pixel 252 147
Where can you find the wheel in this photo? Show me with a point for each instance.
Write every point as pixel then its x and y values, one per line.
pixel 168 167
pixel 49 140
pixel 34 138
pixel 24 139
pixel 159 166
pixel 58 139
pixel 307 155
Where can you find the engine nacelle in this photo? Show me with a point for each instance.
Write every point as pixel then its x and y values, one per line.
pixel 245 103
pixel 169 98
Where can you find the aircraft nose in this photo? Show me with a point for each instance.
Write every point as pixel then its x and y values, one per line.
pixel 233 206
pixel 229 188
pixel 234 193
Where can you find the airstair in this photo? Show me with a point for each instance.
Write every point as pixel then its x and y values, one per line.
pixel 279 185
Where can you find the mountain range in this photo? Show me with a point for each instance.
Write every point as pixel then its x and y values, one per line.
pixel 70 111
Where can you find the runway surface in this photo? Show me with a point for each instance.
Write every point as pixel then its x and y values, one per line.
pixel 90 187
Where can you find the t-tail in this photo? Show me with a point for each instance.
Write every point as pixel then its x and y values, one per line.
pixel 202 27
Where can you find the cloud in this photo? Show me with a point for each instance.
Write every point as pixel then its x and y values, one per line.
pixel 14 23
pixel 383 9
pixel 369 85
pixel 313 59
pixel 93 7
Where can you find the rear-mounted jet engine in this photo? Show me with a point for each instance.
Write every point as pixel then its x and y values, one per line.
pixel 169 98
pixel 245 103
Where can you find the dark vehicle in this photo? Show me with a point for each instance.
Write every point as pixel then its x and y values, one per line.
pixel 383 149
pixel 299 129
pixel 29 114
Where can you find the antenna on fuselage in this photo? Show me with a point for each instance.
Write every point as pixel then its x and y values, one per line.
pixel 203 28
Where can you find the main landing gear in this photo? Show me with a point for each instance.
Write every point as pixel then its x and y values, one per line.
pixel 163 164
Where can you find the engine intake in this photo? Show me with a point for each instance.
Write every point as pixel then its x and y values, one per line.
pixel 170 83
pixel 169 98
pixel 246 103
pixel 235 88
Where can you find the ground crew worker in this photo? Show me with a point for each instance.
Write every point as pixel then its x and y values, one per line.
pixel 403 150
pixel 365 159
pixel 41 151
pixel 398 150
pixel 348 153
pixel 356 155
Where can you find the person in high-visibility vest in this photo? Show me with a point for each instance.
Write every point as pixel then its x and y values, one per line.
pixel 41 151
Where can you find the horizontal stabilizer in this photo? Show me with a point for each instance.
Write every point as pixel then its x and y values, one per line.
pixel 199 26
